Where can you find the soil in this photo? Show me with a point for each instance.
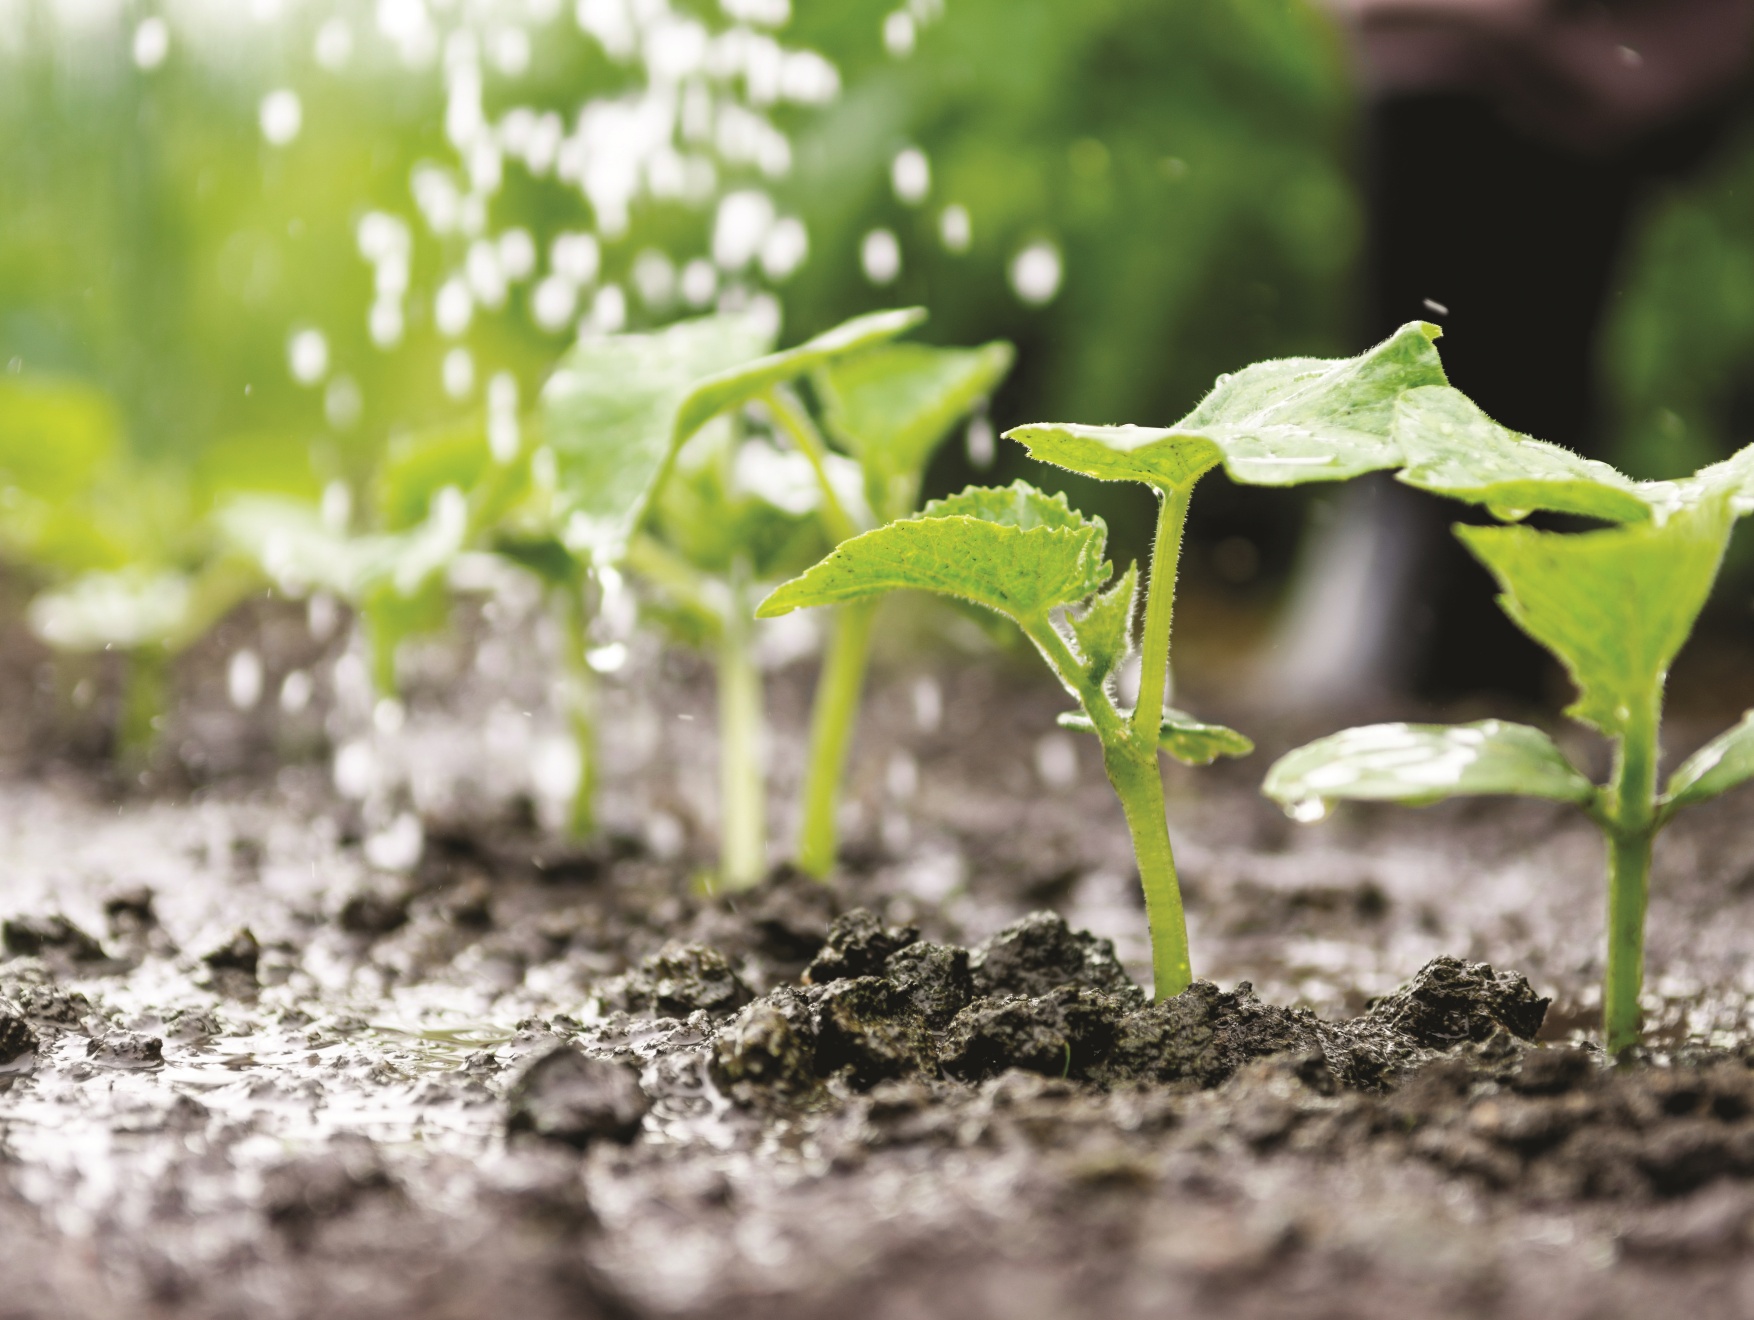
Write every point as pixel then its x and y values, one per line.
pixel 314 1013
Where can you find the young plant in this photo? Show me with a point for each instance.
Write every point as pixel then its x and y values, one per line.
pixel 890 407
pixel 1029 557
pixel 617 414
pixel 112 538
pixel 1614 606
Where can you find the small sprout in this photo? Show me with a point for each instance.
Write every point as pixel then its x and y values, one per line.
pixel 1025 555
pixel 623 414
pixel 1615 606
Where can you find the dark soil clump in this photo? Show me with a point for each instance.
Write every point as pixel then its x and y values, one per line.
pixel 882 1003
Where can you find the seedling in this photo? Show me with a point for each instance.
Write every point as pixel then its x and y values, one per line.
pixel 889 407
pixel 618 412
pixel 1029 556
pixel 113 539
pixel 1614 606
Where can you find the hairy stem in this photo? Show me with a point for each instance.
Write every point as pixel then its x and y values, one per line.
pixel 581 710
pixel 742 786
pixel 832 720
pixel 1632 830
pixel 1138 782
pixel 1172 516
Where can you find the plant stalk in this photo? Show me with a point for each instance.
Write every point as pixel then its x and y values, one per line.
pixel 145 681
pixel 1138 782
pixel 1139 785
pixel 786 410
pixel 581 712
pixel 833 718
pixel 1172 516
pixel 1632 830
pixel 742 784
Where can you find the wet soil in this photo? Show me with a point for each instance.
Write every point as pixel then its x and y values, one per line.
pixel 324 1018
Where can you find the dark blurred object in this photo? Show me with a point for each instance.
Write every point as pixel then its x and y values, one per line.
pixel 1510 142
pixel 1588 76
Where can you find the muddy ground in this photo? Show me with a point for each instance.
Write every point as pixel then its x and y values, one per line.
pixel 313 1013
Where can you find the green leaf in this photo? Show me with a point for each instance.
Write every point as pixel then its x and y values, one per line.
pixel 727 502
pixel 1733 477
pixel 1017 505
pixel 126 609
pixel 1158 456
pixel 292 545
pixel 1013 550
pixel 618 407
pixel 136 607
pixel 890 406
pixel 1724 762
pixel 1188 740
pixel 1303 419
pixel 544 556
pixel 1105 630
pixel 417 467
pixel 56 436
pixel 1273 424
pixel 1420 763
pixel 1615 606
pixel 1452 448
pixel 738 384
pixel 1194 742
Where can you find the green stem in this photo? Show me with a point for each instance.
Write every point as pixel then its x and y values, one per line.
pixel 832 720
pixel 1139 785
pixel 742 787
pixel 837 523
pixel 1172 516
pixel 581 711
pixel 145 679
pixel 1138 782
pixel 1632 829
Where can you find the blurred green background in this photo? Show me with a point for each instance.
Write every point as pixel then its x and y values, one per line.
pixel 1139 193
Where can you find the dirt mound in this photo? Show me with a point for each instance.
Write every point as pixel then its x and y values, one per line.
pixel 879 1003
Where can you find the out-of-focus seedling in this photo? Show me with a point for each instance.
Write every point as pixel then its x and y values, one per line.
pixel 1028 556
pixel 114 541
pixel 734 513
pixel 617 413
pixel 1614 606
pixel 889 407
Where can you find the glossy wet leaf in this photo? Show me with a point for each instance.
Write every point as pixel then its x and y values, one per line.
pixel 613 415
pixel 1723 763
pixel 1453 448
pixel 1614 606
pixel 737 384
pixel 892 405
pixel 1104 630
pixel 1419 763
pixel 1272 424
pixel 1013 550
pixel 1189 740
